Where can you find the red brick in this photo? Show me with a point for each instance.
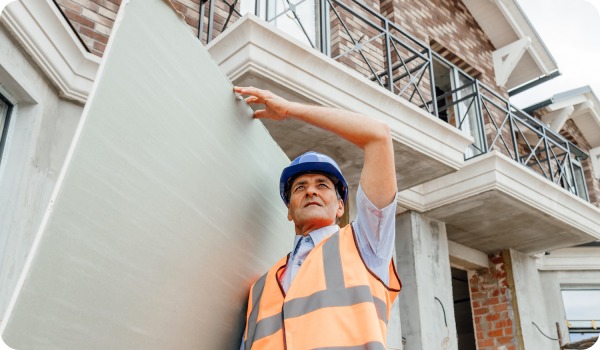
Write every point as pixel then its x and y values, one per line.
pixel 496 293
pixel 94 35
pixel 478 320
pixel 99 46
pixel 478 328
pixel 504 340
pixel 491 301
pixel 480 311
pixel 512 347
pixel 500 307
pixel 476 304
pixel 492 317
pixel 116 2
pixel 79 19
pixel 474 290
pixel 508 331
pixel 504 323
pixel 483 343
pixel 496 333
pixel 479 335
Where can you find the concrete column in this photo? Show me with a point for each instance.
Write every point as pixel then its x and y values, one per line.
pixel 424 269
pixel 528 302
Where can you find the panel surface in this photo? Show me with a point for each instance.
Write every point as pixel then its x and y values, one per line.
pixel 167 208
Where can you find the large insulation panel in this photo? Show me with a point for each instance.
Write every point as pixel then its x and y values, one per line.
pixel 166 211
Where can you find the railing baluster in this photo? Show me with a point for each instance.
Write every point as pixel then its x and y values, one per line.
pixel 388 55
pixel 211 24
pixel 432 84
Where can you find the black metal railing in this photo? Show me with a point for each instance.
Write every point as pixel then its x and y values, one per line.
pixel 516 134
pixel 373 45
pixel 400 63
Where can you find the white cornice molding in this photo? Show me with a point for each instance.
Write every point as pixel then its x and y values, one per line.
pixel 252 45
pixel 576 258
pixel 45 36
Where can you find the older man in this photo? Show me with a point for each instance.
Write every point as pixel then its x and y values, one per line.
pixel 336 287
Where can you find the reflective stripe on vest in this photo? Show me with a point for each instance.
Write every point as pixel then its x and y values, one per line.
pixel 334 302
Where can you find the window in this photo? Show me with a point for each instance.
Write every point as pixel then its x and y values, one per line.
pixel 5 112
pixel 582 307
pixel 580 180
pixel 463 114
pixel 297 18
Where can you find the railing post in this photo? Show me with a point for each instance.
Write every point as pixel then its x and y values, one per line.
pixel 547 145
pixel 480 118
pixel 432 84
pixel 389 57
pixel 571 169
pixel 211 14
pixel 512 132
pixel 324 27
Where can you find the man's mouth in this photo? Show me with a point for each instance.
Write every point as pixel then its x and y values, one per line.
pixel 311 203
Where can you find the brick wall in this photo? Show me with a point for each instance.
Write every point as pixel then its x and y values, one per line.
pixel 94 19
pixel 492 310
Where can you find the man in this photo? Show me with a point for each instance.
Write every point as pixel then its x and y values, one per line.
pixel 336 287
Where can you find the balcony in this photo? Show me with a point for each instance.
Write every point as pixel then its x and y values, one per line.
pixel 253 52
pixel 355 36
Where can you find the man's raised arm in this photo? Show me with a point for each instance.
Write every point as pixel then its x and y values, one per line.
pixel 378 178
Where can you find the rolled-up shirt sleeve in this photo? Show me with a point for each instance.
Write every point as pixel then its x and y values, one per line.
pixel 375 234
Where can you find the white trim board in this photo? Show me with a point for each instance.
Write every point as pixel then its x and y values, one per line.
pixel 45 36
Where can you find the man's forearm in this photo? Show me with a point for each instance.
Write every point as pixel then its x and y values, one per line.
pixel 378 178
pixel 359 129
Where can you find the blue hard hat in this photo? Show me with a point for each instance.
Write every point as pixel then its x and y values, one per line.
pixel 313 162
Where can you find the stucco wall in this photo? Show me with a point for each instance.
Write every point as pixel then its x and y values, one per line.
pixel 40 133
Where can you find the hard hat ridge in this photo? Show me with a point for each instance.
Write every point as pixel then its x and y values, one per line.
pixel 316 163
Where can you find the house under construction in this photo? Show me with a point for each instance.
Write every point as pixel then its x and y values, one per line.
pixel 498 218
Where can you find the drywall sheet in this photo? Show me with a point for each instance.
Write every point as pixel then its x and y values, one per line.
pixel 167 209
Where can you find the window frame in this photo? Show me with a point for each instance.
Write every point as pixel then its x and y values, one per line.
pixel 591 287
pixel 7 122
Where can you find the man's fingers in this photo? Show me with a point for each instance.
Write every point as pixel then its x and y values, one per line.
pixel 250 100
pixel 259 114
pixel 248 91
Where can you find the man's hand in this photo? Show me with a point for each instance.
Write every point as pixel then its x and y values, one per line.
pixel 276 108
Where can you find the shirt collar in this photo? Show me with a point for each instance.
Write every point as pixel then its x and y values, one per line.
pixel 317 235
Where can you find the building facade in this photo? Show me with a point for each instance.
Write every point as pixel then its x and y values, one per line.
pixel 498 210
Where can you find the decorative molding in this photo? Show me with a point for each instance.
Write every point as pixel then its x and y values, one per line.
pixel 45 36
pixel 503 67
pixel 575 258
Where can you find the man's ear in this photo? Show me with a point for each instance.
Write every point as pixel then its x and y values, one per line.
pixel 289 213
pixel 340 210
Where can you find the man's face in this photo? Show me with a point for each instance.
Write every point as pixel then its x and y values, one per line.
pixel 313 201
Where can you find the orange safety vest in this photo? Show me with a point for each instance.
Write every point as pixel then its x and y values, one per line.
pixel 335 301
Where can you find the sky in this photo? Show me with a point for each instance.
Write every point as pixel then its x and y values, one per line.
pixel 571 31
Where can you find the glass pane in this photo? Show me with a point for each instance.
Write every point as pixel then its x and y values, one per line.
pixel 247 6
pixel 580 182
pixel 295 17
pixel 443 84
pixel 3 115
pixel 467 119
pixel 581 305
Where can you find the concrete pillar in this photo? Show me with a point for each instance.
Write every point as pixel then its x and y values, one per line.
pixel 528 302
pixel 424 269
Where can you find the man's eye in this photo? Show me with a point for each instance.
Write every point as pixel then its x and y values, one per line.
pixel 323 185
pixel 299 188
